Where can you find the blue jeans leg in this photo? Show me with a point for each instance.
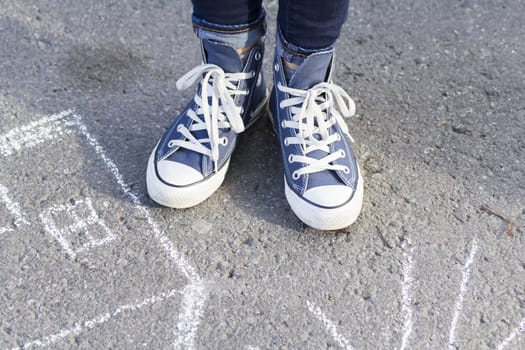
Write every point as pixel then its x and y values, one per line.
pixel 228 12
pixel 304 26
pixel 312 24
pixel 239 23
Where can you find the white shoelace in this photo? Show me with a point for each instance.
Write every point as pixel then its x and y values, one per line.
pixel 313 115
pixel 222 113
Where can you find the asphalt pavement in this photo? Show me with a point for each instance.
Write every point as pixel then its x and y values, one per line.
pixel 436 260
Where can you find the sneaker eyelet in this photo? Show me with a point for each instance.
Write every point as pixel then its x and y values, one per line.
pixel 224 141
pixel 338 137
pixel 171 144
pixel 257 56
pixel 295 176
pixel 179 127
pixel 346 170
pixel 342 153
pixel 276 67
pixel 291 159
pixel 286 143
pixel 282 124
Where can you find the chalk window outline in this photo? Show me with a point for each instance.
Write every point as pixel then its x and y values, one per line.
pixel 61 234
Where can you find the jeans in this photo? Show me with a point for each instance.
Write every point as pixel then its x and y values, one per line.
pixel 304 26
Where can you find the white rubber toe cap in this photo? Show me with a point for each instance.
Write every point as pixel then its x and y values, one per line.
pixel 178 174
pixel 329 196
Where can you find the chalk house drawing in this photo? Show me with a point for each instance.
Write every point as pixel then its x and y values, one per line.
pixel 78 235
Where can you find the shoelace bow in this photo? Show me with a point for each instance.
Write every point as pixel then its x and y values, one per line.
pixel 314 120
pixel 219 88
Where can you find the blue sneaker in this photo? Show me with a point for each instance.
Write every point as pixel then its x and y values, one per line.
pixel 190 161
pixel 323 184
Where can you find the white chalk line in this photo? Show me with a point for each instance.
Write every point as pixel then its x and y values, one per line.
pixel 189 318
pixel 80 327
pixel 195 296
pixel 194 300
pixel 32 134
pixel 79 224
pixel 5 230
pixel 12 207
pixel 187 270
pixel 406 297
pixel 329 325
pixel 458 307
pixel 505 342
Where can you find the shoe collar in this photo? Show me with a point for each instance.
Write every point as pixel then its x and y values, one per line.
pixel 222 55
pixel 316 68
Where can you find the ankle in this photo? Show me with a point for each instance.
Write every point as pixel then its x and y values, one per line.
pixel 244 50
pixel 290 65
pixel 289 69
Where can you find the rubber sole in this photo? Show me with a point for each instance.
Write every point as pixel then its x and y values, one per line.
pixel 326 218
pixel 181 197
pixel 184 196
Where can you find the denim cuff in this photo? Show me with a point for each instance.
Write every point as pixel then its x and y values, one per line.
pixel 236 35
pixel 293 53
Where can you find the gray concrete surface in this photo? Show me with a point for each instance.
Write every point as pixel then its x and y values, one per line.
pixel 89 262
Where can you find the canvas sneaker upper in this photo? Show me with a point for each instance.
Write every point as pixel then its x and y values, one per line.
pixel 202 138
pixel 308 114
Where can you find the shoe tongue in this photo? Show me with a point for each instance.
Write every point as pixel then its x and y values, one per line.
pixel 313 70
pixel 222 55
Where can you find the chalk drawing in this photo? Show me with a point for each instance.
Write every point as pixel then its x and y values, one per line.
pixel 32 134
pixel 462 290
pixel 406 287
pixel 505 342
pixel 77 237
pixel 189 318
pixel 195 294
pixel 5 230
pixel 188 271
pixel 329 325
pixel 13 208
pixel 80 327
